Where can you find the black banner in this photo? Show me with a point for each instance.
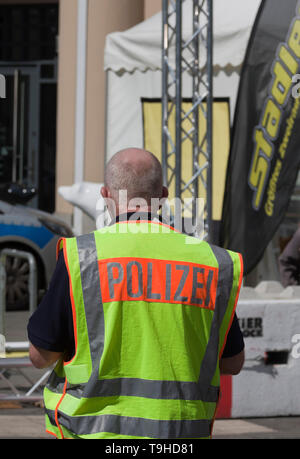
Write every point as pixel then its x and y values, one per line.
pixel 265 149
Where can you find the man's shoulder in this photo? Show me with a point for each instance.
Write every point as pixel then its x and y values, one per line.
pixel 80 239
pixel 226 257
pixel 202 244
pixel 224 251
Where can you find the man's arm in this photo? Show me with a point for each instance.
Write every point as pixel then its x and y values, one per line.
pixel 232 365
pixel 50 328
pixel 41 358
pixel 233 356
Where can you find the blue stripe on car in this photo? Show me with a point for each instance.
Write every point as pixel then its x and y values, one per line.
pixel 37 234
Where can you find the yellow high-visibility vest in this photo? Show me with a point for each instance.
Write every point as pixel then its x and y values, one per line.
pixel 151 310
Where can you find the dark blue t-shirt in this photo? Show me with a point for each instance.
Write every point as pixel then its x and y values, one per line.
pixel 51 325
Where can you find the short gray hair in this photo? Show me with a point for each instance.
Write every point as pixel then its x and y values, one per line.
pixel 145 183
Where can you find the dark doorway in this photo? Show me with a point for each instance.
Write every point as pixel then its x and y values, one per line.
pixel 28 60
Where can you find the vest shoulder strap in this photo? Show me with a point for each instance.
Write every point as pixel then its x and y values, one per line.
pixel 59 246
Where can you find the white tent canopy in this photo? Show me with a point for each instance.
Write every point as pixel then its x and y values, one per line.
pixel 133 65
pixel 139 48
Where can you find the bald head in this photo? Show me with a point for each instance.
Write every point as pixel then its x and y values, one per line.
pixel 137 171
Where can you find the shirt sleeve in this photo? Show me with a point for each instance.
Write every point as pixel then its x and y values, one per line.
pixel 235 341
pixel 51 326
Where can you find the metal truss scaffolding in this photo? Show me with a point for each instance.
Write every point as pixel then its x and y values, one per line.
pixel 187 137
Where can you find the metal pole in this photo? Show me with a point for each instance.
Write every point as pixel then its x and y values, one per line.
pixel 37 384
pixel 2 296
pixel 187 62
pixel 165 39
pixel 195 97
pixel 80 112
pixel 2 87
pixel 15 125
pixel 178 97
pixel 209 120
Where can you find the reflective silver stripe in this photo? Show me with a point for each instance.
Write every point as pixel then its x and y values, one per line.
pixel 92 297
pixel 55 383
pixel 161 390
pixel 225 281
pixel 136 427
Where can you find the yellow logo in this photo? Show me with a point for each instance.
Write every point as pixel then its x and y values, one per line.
pixel 285 65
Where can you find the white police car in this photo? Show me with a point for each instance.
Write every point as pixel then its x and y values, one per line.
pixel 30 230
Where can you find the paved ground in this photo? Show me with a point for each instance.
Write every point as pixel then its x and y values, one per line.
pixel 26 421
pixel 263 428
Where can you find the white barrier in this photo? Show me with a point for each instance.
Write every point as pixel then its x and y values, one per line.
pixel 269 383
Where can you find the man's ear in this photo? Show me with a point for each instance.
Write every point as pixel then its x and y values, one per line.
pixel 104 191
pixel 109 201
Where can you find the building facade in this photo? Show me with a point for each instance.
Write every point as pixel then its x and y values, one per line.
pixel 52 120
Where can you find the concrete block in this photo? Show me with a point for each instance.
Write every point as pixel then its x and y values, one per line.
pixel 268 384
pixel 262 390
pixel 270 289
pixel 248 293
pixel 293 291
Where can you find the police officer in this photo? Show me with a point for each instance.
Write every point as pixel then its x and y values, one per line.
pixel 139 318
